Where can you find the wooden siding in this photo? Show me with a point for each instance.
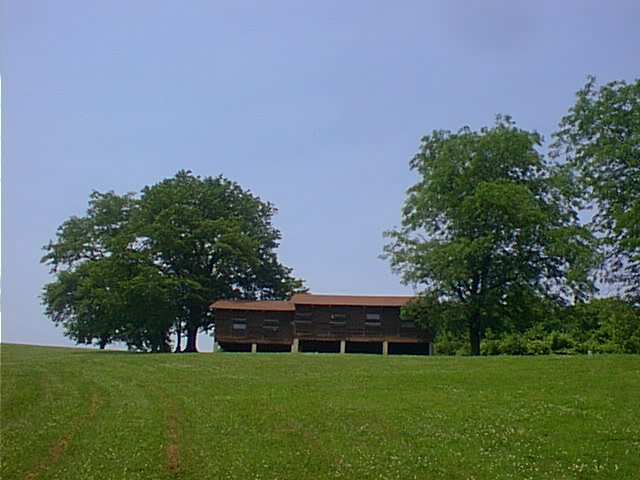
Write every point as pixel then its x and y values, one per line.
pixel 270 327
pixel 354 323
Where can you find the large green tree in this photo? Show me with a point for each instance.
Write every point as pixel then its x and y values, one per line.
pixel 600 139
pixel 107 290
pixel 487 231
pixel 136 268
pixel 216 241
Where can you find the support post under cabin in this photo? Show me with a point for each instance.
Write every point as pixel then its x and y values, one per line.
pixel 295 346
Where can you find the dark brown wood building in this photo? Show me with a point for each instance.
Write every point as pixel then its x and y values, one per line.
pixel 319 323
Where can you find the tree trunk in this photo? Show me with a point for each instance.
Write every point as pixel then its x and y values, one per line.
pixel 166 345
pixel 474 333
pixel 476 315
pixel 192 337
pixel 178 340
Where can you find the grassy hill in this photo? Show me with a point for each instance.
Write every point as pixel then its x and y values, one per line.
pixel 78 414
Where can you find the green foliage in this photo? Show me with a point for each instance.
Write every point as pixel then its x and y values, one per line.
pixel 604 325
pixel 487 231
pixel 513 344
pixel 75 414
pixel 105 289
pixel 215 240
pixel 560 342
pixel 609 324
pixel 448 343
pixel 133 269
pixel 600 139
pixel 538 347
pixel 430 314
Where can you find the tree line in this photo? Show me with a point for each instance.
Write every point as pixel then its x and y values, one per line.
pixel 491 236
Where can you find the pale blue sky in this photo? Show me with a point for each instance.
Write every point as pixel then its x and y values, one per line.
pixel 315 106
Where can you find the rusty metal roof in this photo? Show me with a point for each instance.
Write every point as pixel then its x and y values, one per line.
pixel 259 305
pixel 350 300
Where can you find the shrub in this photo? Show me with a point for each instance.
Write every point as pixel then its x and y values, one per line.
pixel 560 342
pixel 514 344
pixel 490 346
pixel 538 347
pixel 448 343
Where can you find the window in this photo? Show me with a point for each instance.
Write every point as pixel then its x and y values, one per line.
pixel 303 320
pixel 239 324
pixel 302 325
pixel 338 323
pixel 372 319
pixel 271 324
pixel 303 317
pixel 407 324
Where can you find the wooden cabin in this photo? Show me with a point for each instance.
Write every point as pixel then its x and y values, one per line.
pixel 244 326
pixel 319 323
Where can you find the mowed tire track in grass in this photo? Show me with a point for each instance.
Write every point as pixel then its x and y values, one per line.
pixel 42 413
pixel 173 435
pixel 243 416
pixel 59 448
pixel 101 418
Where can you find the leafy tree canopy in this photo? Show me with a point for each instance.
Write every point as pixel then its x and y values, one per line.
pixel 487 229
pixel 135 268
pixel 600 139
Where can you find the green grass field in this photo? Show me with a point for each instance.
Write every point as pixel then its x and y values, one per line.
pixel 83 414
